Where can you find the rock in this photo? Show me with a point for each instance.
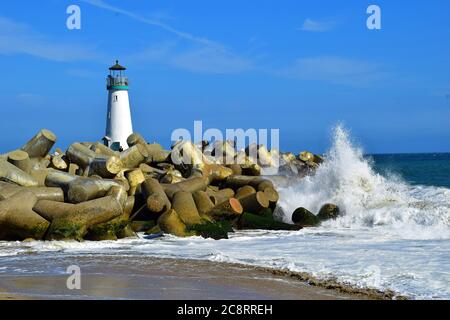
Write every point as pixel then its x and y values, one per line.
pixel 222 151
pixel 47 193
pixel 141 226
pixel 18 221
pixel 134 156
pixel 229 209
pixel 134 139
pixel 273 197
pixel 304 218
pixel 235 168
pixel 42 193
pixel 318 159
pixel 235 182
pixel 92 163
pixel 267 212
pixel 72 221
pixel 170 222
pixel 214 230
pixel 254 202
pixel 73 168
pixel 58 162
pixel 126 232
pixel 21 160
pixel 113 228
pixel 244 191
pixel 214 172
pixel 106 192
pixel 173 176
pixel 248 166
pixel 306 156
pixel 55 178
pixel 328 211
pixel 189 185
pixel 127 211
pixel 156 154
pixel 265 222
pixel 155 197
pixel 11 173
pixel 203 202
pixel 40 176
pixel 186 154
pixel 40 145
pixel 183 203
pixel 262 186
pixel 220 196
pixel 102 150
pixel 155 230
pixel 84 189
pixel 251 169
pixel 135 178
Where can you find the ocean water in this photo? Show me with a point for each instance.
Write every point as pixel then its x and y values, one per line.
pixel 428 169
pixel 394 232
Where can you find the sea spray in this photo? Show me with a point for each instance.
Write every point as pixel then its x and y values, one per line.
pixel 366 198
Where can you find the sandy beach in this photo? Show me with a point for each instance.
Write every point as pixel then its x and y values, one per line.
pixel 152 278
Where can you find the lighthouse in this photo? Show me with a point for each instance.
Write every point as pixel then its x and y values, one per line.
pixel 118 117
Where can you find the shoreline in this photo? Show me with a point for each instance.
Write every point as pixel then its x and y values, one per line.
pixel 111 277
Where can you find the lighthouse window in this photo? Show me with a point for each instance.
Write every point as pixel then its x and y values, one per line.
pixel 115 98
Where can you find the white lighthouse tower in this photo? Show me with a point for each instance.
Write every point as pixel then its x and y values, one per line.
pixel 118 119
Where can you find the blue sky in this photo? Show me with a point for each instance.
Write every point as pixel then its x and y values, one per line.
pixel 300 66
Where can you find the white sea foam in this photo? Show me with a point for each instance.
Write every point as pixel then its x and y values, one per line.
pixel 368 199
pixel 391 235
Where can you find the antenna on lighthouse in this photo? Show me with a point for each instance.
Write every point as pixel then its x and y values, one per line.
pixel 118 117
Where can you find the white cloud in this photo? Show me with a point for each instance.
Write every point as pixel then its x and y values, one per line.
pixel 17 38
pixel 317 26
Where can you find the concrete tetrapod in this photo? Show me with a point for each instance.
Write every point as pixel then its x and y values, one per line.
pixel 189 185
pixel 7 190
pixel 113 228
pixel 228 209
pixel 72 221
pixel 183 203
pixel 273 197
pixel 154 195
pixel 9 172
pixel 220 195
pixel 104 166
pixel 203 202
pixel 244 191
pixel 40 145
pixel 84 189
pixel 254 202
pixel 171 223
pixel 21 160
pixel 134 139
pixel 134 156
pixel 235 182
pixel 18 221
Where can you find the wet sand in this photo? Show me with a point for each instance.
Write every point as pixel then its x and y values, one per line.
pixel 121 277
